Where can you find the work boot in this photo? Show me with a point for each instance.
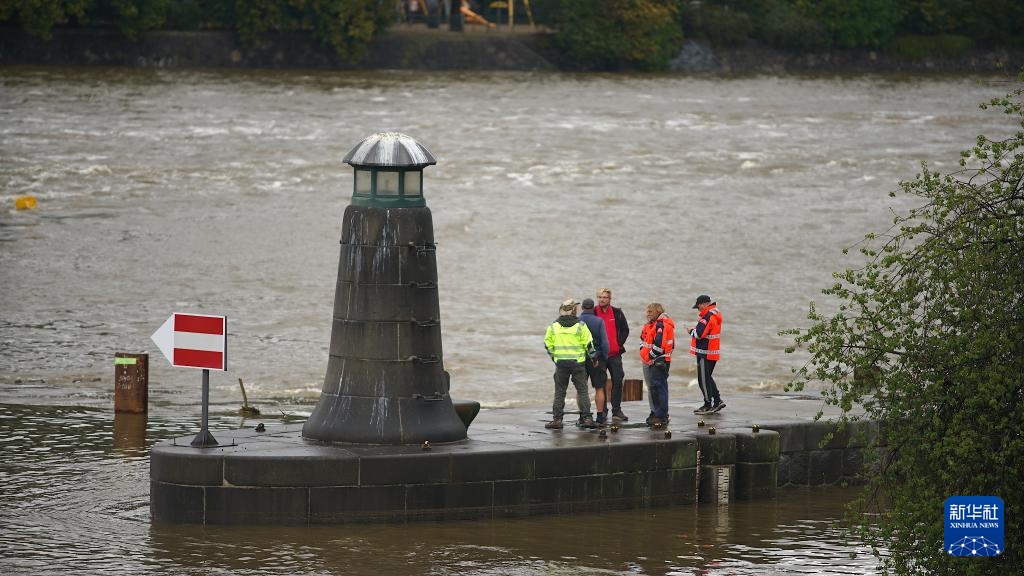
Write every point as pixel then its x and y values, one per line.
pixel 587 422
pixel 618 415
pixel 654 422
pixel 555 424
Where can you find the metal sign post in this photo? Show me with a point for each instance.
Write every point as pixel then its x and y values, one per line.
pixel 204 438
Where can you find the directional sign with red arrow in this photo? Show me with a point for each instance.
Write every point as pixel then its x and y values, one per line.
pixel 194 341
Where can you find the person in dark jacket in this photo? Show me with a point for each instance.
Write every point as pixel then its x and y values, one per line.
pixel 598 374
pixel 618 330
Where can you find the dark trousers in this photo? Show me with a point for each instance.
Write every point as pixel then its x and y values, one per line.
pixel 657 386
pixel 706 382
pixel 577 372
pixel 616 373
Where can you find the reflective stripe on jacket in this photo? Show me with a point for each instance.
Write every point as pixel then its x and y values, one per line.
pixel 705 338
pixel 569 342
pixel 657 339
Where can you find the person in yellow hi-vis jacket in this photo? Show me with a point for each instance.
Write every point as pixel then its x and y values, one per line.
pixel 570 345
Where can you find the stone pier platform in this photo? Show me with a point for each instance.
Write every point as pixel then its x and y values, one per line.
pixel 509 466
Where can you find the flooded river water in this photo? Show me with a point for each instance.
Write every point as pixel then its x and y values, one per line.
pixel 222 192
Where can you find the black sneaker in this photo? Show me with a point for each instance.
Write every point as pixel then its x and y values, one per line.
pixel 601 417
pixel 704 409
pixel 717 407
pixel 555 424
pixel 618 415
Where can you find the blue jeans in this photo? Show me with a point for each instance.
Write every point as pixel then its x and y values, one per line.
pixel 657 386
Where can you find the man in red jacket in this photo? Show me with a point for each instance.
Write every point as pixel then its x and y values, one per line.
pixel 618 330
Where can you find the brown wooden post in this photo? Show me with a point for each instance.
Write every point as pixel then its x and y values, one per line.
pixel 130 434
pixel 632 390
pixel 131 383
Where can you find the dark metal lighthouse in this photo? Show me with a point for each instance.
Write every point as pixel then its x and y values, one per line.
pixel 385 381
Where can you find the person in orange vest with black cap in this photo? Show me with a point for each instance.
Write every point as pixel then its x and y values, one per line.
pixel 704 344
pixel 657 341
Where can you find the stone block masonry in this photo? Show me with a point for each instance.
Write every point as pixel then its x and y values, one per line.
pixel 277 477
pixel 509 466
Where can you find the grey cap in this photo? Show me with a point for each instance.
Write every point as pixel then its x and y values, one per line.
pixel 588 303
pixel 390 150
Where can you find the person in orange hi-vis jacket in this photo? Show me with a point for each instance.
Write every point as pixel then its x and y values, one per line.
pixel 705 344
pixel 657 341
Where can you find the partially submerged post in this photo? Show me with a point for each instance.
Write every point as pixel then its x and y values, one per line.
pixel 385 381
pixel 131 383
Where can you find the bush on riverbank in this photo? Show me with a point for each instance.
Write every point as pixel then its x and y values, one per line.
pixel 935 318
pixel 347 26
pixel 802 25
pixel 616 34
pixel 612 34
pixel 590 34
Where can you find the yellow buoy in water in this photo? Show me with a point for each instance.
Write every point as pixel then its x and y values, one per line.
pixel 25 203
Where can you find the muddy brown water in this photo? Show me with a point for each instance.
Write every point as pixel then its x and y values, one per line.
pixel 222 192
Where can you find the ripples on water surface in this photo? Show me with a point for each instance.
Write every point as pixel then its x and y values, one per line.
pixel 74 487
pixel 223 193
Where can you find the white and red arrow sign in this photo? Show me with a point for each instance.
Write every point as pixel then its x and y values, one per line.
pixel 194 341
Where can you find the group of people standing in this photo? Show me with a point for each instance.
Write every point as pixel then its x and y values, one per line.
pixel 589 346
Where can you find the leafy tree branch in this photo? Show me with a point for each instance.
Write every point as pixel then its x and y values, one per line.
pixel 928 340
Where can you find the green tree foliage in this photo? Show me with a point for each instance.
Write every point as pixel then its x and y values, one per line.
pixel 722 23
pixel 929 340
pixel 615 34
pixel 855 23
pixel 781 24
pixel 932 16
pixel 994 22
pixel 819 24
pixel 345 25
pixel 988 22
pixel 795 24
pixel 39 16
pixel 137 16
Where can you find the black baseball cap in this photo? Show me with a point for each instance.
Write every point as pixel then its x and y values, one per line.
pixel 702 299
